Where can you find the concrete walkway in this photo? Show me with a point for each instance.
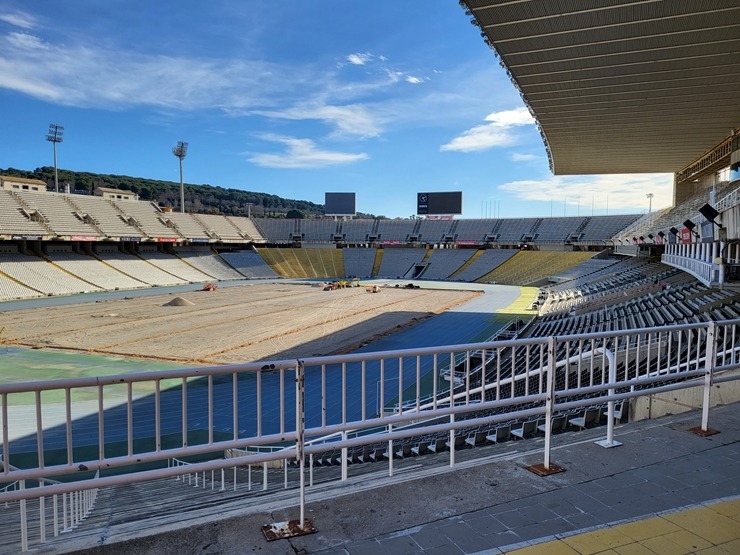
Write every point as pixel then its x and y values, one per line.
pixel 606 501
pixel 656 493
pixel 711 528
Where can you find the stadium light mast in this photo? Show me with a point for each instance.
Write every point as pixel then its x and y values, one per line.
pixel 650 199
pixel 55 136
pixel 180 151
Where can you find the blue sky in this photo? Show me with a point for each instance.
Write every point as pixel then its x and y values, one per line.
pixel 294 98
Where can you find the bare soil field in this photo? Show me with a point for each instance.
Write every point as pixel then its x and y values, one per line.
pixel 229 325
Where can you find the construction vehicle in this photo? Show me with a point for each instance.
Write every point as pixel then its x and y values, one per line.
pixel 342 284
pixel 209 287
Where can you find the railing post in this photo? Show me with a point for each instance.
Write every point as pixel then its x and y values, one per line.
pixel 55 508
pixel 42 516
pixel 550 398
pixel 709 364
pixel 64 511
pixel 549 401
pixel 300 439
pixel 24 523
pixel 452 405
pixel 609 441
pixel 452 439
pixel 344 457
pixel 390 453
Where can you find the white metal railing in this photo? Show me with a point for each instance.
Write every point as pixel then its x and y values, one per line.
pixel 64 514
pixel 627 250
pixel 510 331
pixel 298 409
pixel 728 201
pixel 13 486
pixel 706 272
pixel 199 479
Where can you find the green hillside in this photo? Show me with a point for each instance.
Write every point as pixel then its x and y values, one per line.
pixel 202 199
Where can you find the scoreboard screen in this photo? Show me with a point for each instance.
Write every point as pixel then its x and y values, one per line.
pixel 339 204
pixel 439 203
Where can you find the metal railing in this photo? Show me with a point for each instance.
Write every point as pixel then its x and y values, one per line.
pixel 728 201
pixel 63 514
pixel 300 409
pixel 708 273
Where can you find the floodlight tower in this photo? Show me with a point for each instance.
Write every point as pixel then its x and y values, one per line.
pixel 650 199
pixel 180 151
pixel 55 136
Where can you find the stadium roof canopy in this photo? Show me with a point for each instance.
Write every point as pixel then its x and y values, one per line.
pixel 621 86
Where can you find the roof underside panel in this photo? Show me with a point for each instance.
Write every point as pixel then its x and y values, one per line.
pixel 622 86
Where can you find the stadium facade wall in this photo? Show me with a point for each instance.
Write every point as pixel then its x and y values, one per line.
pixel 684 400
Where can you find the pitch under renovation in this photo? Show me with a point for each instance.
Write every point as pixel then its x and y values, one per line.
pixel 228 325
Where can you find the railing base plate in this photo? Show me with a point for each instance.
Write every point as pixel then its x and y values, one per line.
pixel 289 529
pixel 605 443
pixel 540 469
pixel 703 433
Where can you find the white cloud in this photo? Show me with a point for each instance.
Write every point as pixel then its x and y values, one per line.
pixel 360 59
pixel 302 153
pixel 104 77
pixel 393 75
pixel 19 19
pixel 26 41
pixel 522 157
pixel 480 137
pixel 350 120
pixel 496 133
pixel 619 192
pixel 508 118
pixel 382 68
pixel 101 77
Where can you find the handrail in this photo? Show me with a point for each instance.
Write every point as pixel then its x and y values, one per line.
pixel 728 201
pixel 515 385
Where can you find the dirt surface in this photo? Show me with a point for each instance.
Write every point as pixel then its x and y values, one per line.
pixel 229 325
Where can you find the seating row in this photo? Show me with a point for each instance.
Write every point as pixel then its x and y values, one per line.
pixel 577 419
pixel 63 272
pixel 595 229
pixel 48 214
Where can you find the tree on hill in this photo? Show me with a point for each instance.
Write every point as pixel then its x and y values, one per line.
pixel 208 199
